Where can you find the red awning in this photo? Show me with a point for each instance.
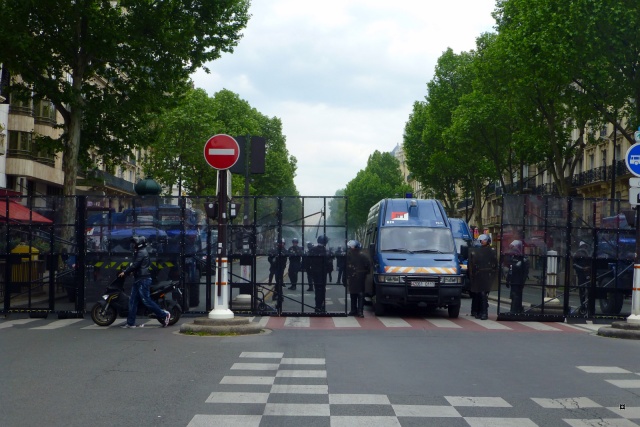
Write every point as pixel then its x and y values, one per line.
pixel 21 214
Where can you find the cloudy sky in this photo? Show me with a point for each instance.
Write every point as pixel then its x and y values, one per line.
pixel 342 75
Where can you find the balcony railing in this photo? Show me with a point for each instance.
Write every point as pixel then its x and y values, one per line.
pixel 98 178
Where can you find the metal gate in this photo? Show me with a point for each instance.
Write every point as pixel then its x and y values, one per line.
pixel 578 255
pixel 52 267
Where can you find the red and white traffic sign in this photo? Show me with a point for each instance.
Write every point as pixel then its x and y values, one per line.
pixel 221 151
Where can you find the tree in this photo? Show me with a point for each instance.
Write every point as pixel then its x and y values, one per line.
pixel 380 179
pixel 538 59
pixel 429 157
pixel 106 64
pixel 178 136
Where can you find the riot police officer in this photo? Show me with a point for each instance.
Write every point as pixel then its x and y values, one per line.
pixel 358 267
pixel 518 270
pixel 295 253
pixel 319 258
pixel 483 264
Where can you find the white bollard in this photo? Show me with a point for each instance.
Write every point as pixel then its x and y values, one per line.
pixel 221 303
pixel 552 273
pixel 635 296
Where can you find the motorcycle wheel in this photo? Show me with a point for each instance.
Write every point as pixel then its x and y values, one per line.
pixel 102 317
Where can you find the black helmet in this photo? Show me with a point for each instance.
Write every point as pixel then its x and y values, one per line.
pixel 139 242
pixel 323 240
pixel 294 240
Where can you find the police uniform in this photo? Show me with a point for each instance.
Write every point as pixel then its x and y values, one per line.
pixel 483 264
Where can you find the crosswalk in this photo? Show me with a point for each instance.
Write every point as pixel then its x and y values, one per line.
pixel 271 388
pixel 369 322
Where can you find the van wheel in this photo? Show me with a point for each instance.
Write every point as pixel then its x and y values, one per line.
pixel 378 308
pixel 454 311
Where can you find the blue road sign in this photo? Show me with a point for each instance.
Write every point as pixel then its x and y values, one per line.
pixel 633 159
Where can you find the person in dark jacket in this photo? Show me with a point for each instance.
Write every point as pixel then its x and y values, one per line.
pixel 518 270
pixel 483 264
pixel 307 267
pixel 358 267
pixel 295 253
pixel 341 265
pixel 318 258
pixel 141 285
pixel 582 266
pixel 278 261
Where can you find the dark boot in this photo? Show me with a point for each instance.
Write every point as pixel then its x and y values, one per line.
pixel 484 305
pixel 310 289
pixel 292 287
pixel 354 305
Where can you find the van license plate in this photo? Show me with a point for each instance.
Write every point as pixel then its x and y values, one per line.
pixel 424 284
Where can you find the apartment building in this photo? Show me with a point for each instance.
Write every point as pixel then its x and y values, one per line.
pixel 31 171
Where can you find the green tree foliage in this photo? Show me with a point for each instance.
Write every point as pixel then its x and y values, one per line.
pixel 438 163
pixel 178 136
pixel 380 179
pixel 106 64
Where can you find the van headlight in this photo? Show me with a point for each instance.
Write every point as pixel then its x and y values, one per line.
pixel 388 279
pixel 450 279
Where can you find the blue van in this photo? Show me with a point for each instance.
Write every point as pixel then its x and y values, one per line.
pixel 413 254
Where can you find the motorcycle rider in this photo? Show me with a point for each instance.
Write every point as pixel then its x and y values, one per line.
pixel 142 284
pixel 358 267
pixel 483 264
pixel 295 253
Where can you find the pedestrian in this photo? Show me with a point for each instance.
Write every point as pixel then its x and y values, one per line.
pixel 483 264
pixel 357 268
pixel 295 253
pixel 518 269
pixel 341 264
pixel 318 257
pixel 140 267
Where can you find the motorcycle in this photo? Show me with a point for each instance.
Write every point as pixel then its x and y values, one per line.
pixel 115 302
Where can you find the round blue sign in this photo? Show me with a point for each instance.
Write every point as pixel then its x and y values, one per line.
pixel 633 159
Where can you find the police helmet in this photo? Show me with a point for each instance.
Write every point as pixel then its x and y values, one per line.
pixel 516 246
pixel 484 238
pixel 138 242
pixel 354 244
pixel 294 240
pixel 323 240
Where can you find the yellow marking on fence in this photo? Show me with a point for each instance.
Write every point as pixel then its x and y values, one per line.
pixel 420 270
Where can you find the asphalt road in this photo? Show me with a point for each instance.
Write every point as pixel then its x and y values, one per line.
pixel 451 377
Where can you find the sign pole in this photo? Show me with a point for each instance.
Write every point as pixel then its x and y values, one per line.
pixel 221 152
pixel 633 164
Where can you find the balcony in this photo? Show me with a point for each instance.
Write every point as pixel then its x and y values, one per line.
pixel 102 180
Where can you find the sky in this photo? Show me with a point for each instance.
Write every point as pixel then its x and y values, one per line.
pixel 342 75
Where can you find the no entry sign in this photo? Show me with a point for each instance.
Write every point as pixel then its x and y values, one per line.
pixel 221 151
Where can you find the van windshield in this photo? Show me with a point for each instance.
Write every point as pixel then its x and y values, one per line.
pixel 416 239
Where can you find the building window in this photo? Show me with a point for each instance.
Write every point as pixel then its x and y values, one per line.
pixel 591 161
pixel 20 106
pixel 604 158
pixel 20 144
pixel 45 112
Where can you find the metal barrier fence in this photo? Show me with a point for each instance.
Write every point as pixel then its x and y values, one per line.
pixel 49 266
pixel 578 257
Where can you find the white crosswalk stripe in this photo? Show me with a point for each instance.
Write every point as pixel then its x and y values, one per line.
pixel 394 322
pixel 59 324
pixel 10 323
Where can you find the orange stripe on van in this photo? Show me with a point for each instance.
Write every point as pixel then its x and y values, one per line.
pixel 421 270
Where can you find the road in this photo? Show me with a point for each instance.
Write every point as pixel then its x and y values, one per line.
pixel 76 374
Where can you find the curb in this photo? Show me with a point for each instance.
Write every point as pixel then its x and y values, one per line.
pixel 624 330
pixel 233 326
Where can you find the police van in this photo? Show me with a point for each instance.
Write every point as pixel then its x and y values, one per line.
pixel 413 254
